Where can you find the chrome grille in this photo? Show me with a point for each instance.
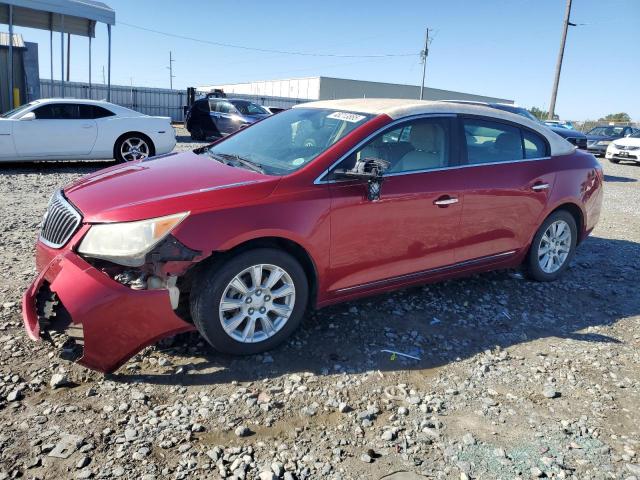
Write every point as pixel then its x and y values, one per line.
pixel 60 222
pixel 625 147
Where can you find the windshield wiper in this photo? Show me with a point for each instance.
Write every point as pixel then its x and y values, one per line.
pixel 245 162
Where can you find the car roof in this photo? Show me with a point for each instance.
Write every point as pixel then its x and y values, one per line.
pixel 115 108
pixel 74 100
pixel 400 108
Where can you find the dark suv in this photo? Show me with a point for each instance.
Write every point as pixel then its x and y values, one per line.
pixel 221 116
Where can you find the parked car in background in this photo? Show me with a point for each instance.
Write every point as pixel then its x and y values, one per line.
pixel 599 138
pixel 221 116
pixel 575 137
pixel 558 123
pixel 626 148
pixel 326 202
pixel 73 129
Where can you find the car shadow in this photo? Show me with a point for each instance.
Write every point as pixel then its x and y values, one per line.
pixel 55 166
pixel 439 324
pixel 615 178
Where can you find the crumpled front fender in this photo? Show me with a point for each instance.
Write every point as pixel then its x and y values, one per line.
pixel 117 322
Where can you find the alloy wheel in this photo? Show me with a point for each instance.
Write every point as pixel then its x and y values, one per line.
pixel 554 246
pixel 134 148
pixel 257 303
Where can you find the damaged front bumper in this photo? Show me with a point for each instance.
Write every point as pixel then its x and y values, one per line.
pixel 115 322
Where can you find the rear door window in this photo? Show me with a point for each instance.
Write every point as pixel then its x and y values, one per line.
pixel 534 145
pixel 490 142
pixel 90 112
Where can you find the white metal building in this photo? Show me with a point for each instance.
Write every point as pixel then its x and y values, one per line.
pixel 329 88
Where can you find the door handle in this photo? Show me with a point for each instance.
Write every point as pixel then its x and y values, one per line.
pixel 538 187
pixel 87 125
pixel 445 201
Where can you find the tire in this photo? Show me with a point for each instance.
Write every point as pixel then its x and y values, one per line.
pixel 133 146
pixel 613 160
pixel 197 133
pixel 538 268
pixel 212 284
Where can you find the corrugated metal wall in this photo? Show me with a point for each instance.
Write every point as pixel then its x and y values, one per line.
pixel 282 102
pixel 299 88
pixel 152 101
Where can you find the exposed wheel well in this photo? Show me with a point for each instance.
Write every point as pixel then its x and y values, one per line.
pixel 140 134
pixel 576 213
pixel 289 246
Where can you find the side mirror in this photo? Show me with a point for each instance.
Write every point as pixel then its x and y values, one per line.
pixel 370 170
pixel 28 116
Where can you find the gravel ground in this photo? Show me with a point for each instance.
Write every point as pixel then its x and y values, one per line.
pixel 516 379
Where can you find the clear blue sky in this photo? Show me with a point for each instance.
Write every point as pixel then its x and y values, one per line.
pixel 503 48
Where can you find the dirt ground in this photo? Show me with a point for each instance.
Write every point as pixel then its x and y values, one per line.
pixel 515 379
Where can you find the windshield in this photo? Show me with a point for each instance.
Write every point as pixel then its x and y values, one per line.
pixel 248 108
pixel 16 111
pixel 606 131
pixel 286 142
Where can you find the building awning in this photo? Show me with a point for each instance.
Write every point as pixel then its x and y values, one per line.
pixel 80 16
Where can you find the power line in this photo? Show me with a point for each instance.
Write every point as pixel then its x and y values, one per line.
pixel 264 50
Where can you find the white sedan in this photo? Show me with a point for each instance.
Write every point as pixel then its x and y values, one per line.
pixel 626 148
pixel 71 129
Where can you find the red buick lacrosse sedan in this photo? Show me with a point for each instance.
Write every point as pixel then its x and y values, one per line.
pixel 323 203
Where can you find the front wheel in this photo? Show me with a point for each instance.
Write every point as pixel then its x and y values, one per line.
pixel 614 160
pixel 250 303
pixel 553 247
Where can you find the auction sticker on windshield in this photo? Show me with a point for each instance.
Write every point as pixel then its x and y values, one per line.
pixel 347 117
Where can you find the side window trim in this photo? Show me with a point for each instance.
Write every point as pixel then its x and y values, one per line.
pixel 387 128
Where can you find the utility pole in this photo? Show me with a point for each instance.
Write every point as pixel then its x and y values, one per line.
pixel 68 56
pixel 556 82
pixel 423 55
pixel 103 79
pixel 170 67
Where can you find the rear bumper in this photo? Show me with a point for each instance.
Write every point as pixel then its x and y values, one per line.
pixel 117 322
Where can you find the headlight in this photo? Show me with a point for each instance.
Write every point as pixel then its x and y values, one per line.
pixel 603 142
pixel 127 243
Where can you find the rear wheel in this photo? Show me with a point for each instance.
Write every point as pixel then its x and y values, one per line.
pixel 197 133
pixel 553 247
pixel 133 146
pixel 250 303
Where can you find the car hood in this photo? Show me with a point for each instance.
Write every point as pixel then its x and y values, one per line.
pixel 567 133
pixel 164 185
pixel 601 137
pixel 629 141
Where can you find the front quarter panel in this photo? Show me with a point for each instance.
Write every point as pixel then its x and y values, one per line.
pixel 298 215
